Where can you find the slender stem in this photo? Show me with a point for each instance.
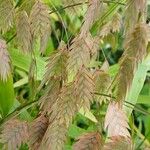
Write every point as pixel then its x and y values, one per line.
pixel 133 106
pixel 146 142
pixel 68 6
pixel 78 4
pixel 143 140
pixel 18 110
pixel 115 2
pixel 9 40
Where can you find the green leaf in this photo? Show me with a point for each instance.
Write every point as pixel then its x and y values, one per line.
pixel 24 114
pixel 21 82
pixel 6 95
pixel 113 70
pixel 23 62
pixel 138 83
pixel 88 115
pixel 144 99
pixel 68 147
pixel 75 131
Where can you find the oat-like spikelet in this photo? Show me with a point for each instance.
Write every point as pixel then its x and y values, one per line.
pixel 40 23
pixel 118 143
pixel 116 121
pixel 5 68
pixel 6 14
pixel 37 130
pixel 24 36
pixel 90 141
pixel 14 133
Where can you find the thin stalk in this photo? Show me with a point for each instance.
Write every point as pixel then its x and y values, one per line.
pixel 18 110
pixel 131 105
pixel 78 4
pixel 146 142
pixel 139 146
pixel 11 38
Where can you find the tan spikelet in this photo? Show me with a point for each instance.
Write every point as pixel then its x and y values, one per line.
pixel 50 95
pixel 90 141
pixel 37 130
pixel 84 88
pixel 118 143
pixel 5 68
pixel 40 23
pixel 6 14
pixel 136 43
pixel 125 77
pixel 102 82
pixel 14 133
pixel 65 107
pixel 112 26
pixel 76 10
pixel 24 36
pixel 92 14
pixel 57 64
pixel 135 8
pixel 116 121
pixel 62 113
pixel 93 44
pixel 135 52
pixel 27 5
pixel 78 55
pixel 80 51
pixel 54 137
pixel 54 76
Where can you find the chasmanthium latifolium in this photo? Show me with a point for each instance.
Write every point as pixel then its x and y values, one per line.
pixel 70 82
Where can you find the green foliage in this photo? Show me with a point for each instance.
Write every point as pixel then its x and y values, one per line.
pixel 7 96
